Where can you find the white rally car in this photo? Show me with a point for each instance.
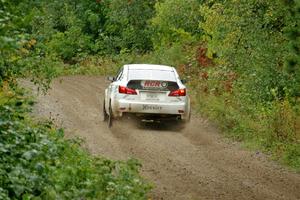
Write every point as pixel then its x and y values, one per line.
pixel 150 92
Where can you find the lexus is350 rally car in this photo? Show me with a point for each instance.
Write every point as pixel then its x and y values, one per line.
pixel 150 92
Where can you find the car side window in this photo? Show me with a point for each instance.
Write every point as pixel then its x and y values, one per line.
pixel 120 74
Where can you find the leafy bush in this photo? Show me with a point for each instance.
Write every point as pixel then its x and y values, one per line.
pixel 126 26
pixel 37 162
pixel 293 34
pixel 174 55
pixel 70 44
pixel 175 21
pixel 247 37
pixel 8 44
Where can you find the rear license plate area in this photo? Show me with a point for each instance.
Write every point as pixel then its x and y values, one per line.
pixel 151 107
pixel 152 96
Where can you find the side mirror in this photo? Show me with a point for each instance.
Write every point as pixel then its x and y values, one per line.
pixel 111 78
pixel 183 81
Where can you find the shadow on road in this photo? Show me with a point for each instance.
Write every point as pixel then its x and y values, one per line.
pixel 175 126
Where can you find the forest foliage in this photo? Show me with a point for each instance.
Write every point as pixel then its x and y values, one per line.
pixel 241 57
pixel 38 163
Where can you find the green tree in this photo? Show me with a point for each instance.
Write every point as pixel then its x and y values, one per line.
pixel 126 26
pixel 175 20
pixel 248 38
pixel 293 34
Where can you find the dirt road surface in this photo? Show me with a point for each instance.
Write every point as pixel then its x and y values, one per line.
pixel 190 164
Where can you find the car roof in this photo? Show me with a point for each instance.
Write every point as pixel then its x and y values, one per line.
pixel 151 72
pixel 149 66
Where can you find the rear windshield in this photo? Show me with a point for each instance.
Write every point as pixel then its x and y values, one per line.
pixel 153 85
pixel 151 74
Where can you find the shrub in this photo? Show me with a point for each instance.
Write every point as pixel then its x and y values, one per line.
pixel 175 20
pixel 37 162
pixel 70 44
pixel 126 26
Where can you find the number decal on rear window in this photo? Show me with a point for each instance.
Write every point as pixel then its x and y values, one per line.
pixel 154 84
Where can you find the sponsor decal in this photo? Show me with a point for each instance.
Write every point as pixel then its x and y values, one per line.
pixel 164 84
pixel 154 84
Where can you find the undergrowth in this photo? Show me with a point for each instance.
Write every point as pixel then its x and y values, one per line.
pixel 271 128
pixel 36 161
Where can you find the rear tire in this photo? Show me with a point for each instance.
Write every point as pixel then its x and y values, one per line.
pixel 104 113
pixel 189 117
pixel 110 118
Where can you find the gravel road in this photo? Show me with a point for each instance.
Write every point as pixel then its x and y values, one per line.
pixel 189 164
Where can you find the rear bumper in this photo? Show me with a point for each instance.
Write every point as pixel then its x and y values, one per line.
pixel 170 108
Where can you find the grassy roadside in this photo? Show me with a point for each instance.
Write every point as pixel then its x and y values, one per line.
pixel 38 163
pixel 271 129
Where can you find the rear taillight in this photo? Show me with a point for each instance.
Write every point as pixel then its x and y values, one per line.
pixel 126 90
pixel 177 93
